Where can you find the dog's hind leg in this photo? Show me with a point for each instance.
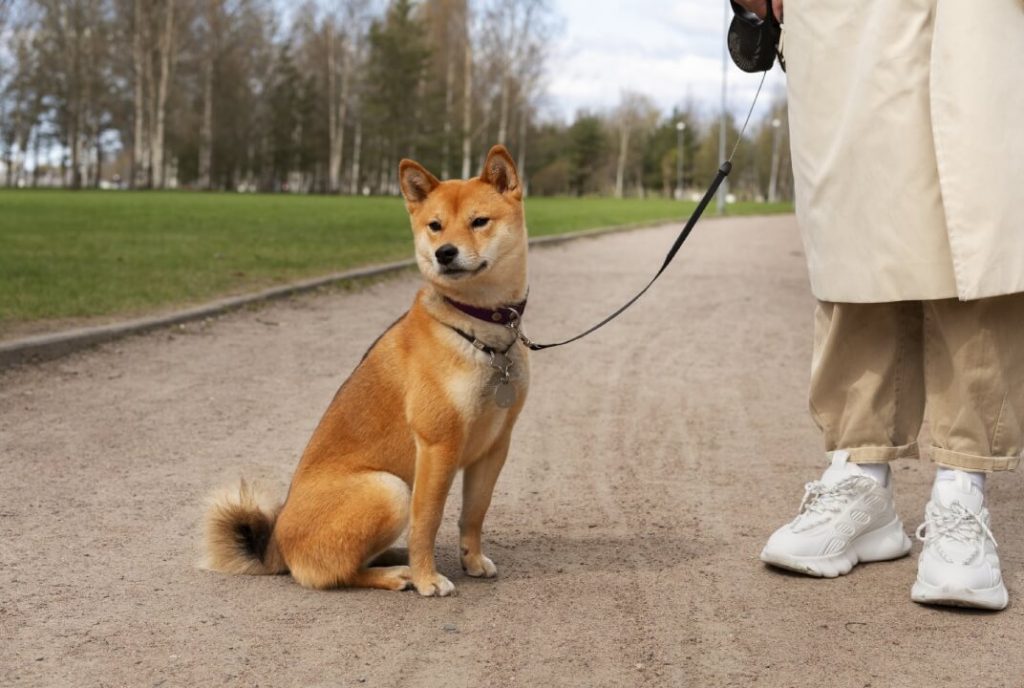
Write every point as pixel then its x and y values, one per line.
pixel 383 577
pixel 330 533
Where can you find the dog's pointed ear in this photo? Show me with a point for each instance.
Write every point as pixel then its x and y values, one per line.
pixel 416 182
pixel 500 171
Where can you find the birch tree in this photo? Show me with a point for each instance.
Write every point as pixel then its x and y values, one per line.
pixel 64 34
pixel 337 64
pixel 467 103
pixel 140 153
pixel 164 58
pixel 635 115
pixel 21 101
pixel 216 17
pixel 396 64
pixel 346 28
pixel 448 34
pixel 515 29
pixel 249 94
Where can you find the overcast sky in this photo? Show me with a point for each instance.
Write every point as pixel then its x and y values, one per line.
pixel 670 50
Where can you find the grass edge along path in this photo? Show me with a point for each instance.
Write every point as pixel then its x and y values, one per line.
pixel 70 258
pixel 51 345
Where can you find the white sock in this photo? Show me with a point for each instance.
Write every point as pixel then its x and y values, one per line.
pixel 976 478
pixel 879 472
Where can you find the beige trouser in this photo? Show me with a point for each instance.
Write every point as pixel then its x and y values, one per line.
pixel 879 367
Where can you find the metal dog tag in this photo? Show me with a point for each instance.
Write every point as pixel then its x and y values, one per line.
pixel 504 395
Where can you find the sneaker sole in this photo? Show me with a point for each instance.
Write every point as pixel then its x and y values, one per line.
pixel 882 544
pixel 995 598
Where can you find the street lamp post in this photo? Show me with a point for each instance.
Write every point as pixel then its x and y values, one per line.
pixel 680 128
pixel 723 191
pixel 773 181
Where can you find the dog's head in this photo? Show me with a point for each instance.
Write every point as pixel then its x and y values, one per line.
pixel 470 234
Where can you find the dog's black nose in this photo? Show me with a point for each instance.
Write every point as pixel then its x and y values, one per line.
pixel 446 254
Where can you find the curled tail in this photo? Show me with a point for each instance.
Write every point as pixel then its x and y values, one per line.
pixel 238 533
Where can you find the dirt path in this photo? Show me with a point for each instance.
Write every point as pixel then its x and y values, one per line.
pixel 650 464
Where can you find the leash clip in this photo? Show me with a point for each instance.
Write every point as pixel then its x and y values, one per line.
pixel 527 341
pixel 515 324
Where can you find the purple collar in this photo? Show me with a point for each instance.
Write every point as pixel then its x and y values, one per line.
pixel 506 315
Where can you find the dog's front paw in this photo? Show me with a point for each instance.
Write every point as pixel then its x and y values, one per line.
pixel 435 585
pixel 478 566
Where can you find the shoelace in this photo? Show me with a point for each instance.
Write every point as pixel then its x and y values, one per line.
pixel 820 498
pixel 958 523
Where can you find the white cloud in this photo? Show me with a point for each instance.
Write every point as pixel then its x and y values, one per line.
pixel 670 51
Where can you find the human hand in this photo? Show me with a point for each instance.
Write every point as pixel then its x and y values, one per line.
pixel 760 7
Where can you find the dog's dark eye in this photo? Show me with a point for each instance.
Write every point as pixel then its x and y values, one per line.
pixel 435 226
pixel 480 222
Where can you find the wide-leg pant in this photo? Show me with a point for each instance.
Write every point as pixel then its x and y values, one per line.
pixel 880 369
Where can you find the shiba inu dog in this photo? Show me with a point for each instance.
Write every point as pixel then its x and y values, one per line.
pixel 437 393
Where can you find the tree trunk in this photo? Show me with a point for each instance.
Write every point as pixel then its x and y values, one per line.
pixel 449 92
pixel 99 161
pixel 383 181
pixel 22 163
pixel 150 134
pixel 73 140
pixel 506 103
pixel 620 167
pixel 338 108
pixel 206 126
pixel 166 46
pixel 23 138
pixel 138 57
pixel 524 121
pixel 37 155
pixel 773 182
pixel 467 112
pixel 346 88
pixel 8 161
pixel 75 99
pixel 357 146
pixel 334 152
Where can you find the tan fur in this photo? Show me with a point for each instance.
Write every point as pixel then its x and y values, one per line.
pixel 418 409
pixel 249 507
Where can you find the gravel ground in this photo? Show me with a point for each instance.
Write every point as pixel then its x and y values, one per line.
pixel 650 464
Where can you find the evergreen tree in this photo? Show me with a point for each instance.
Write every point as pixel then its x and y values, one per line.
pixel 587 147
pixel 398 61
pixel 284 116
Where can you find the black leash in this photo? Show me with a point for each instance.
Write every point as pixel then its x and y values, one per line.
pixel 723 172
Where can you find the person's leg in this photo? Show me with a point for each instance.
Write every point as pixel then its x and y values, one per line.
pixel 974 377
pixel 867 380
pixel 867 396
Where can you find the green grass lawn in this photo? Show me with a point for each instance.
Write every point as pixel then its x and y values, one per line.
pixel 69 255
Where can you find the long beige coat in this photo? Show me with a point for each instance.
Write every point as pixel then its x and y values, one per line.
pixel 907 131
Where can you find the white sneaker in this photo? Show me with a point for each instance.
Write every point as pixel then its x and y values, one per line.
pixel 845 518
pixel 958 565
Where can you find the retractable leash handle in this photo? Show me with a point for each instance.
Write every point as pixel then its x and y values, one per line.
pixel 723 172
